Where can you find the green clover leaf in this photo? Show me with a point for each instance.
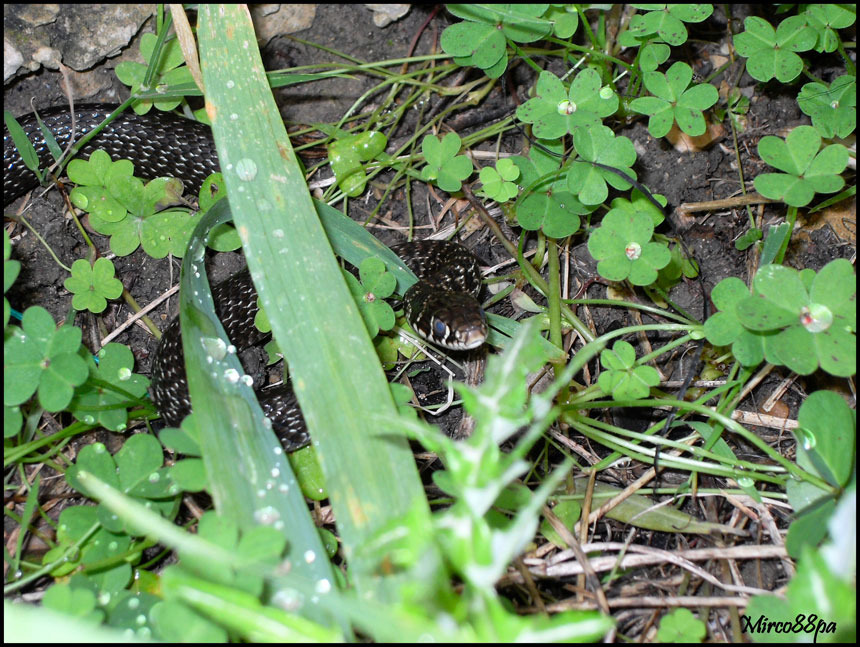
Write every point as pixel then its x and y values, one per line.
pixel 444 166
pixel 481 40
pixel 813 316
pixel 674 101
pixel 547 205
pixel 825 19
pixel 555 111
pixel 40 356
pixel 11 269
pixel 623 248
pixel 667 20
pixel 104 400
pixel 834 109
pixel 374 285
pixel 498 182
pixel 622 378
pixel 807 171
pixel 771 53
pixel 169 73
pixel 564 19
pixel 98 178
pixel 93 284
pixel 724 328
pixel 123 207
pixel 681 626
pixel 638 202
pixel 652 55
pixel 599 145
pixel 75 527
pixel 346 156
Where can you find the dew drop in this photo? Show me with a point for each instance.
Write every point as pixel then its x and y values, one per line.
pixel 323 586
pixel 246 169
pixel 267 515
pixel 155 477
pixel 133 603
pixel 231 375
pixel 275 472
pixel 247 380
pixel 287 599
pixel 278 233
pixel 231 84
pixel 310 556
pixel 214 347
pixel 124 374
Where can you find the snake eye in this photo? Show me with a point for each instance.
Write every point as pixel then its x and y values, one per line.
pixel 439 329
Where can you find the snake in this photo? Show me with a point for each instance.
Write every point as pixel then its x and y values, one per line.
pixel 442 306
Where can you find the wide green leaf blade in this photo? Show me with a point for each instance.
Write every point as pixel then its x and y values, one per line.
pixel 336 374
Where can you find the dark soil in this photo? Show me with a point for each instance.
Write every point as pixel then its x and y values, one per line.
pixel 683 177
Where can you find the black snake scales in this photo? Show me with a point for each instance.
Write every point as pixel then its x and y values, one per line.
pixel 441 307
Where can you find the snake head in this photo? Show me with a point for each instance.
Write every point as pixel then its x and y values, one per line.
pixel 452 320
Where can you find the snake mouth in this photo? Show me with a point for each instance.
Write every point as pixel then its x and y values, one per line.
pixel 473 338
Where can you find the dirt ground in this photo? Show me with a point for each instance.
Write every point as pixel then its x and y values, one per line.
pixel 683 177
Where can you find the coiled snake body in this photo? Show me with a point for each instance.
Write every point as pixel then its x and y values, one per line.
pixel 441 307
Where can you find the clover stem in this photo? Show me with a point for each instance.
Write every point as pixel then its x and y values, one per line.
pixel 790 218
pixel 24 221
pixel 554 296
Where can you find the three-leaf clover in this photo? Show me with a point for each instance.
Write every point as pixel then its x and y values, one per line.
pixel 771 53
pixel 122 207
pixel 623 248
pixel 105 399
pixel 834 109
pixel 376 284
pixel 812 317
pixel 93 284
pixel 38 355
pixel 169 73
pixel 547 204
pixel 137 470
pixel 825 19
pixel 555 111
pixel 807 171
pixel 622 378
pixel 444 166
pixel 481 40
pixel 587 181
pixel 98 179
pixel 498 182
pixel 674 100
pixel 667 21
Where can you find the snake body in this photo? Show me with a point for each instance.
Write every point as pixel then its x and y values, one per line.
pixel 441 306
